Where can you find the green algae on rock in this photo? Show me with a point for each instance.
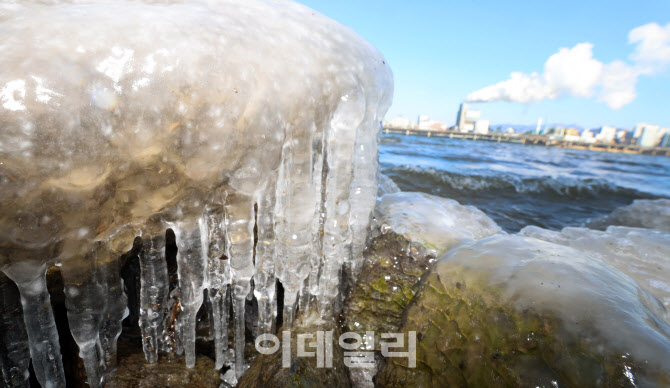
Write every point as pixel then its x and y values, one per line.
pixel 515 311
pixel 414 229
pixel 385 286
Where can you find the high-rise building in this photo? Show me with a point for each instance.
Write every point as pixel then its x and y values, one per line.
pixel 652 135
pixel 637 133
pixel 466 118
pixel 607 134
pixel 665 141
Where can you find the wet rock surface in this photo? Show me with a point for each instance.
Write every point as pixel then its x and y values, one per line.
pixel 267 370
pixel 133 371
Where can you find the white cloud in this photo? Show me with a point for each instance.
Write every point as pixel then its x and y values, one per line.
pixel 652 48
pixel 574 71
pixel 519 88
pixel 618 84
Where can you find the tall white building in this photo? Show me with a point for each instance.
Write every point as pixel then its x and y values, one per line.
pixel 652 135
pixel 607 134
pixel 638 130
pixel 538 129
pixel 466 118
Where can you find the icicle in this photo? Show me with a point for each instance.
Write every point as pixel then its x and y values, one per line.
pixel 116 309
pixel 30 277
pixel 14 350
pixel 339 162
pixel 153 294
pixel 192 271
pixel 297 207
pixel 218 278
pixel 363 189
pixel 308 294
pixel 240 245
pixel 85 300
pixel 266 260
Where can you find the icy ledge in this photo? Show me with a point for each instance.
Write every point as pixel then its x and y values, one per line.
pixel 437 224
pixel 122 119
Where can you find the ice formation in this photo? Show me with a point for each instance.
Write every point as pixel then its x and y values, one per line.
pixel 126 118
pixel 642 254
pixel 642 213
pixel 14 352
pixel 386 186
pixel 438 224
pixel 584 292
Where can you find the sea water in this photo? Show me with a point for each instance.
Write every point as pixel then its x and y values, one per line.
pixel 519 185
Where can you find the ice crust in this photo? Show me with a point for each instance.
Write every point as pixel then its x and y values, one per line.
pixel 642 213
pixel 642 254
pixel 438 224
pixel 592 299
pixel 126 118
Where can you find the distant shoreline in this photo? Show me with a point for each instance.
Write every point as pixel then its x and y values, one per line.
pixel 539 140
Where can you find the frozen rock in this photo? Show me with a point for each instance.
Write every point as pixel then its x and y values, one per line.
pixel 642 213
pixel 438 224
pixel 132 115
pixel 517 311
pixel 413 228
pixel 642 254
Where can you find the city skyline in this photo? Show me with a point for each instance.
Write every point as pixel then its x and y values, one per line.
pixel 608 55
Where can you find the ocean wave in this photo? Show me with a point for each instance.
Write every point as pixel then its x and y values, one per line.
pixel 567 187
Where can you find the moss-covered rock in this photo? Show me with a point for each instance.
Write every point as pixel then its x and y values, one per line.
pixel 514 311
pixel 385 287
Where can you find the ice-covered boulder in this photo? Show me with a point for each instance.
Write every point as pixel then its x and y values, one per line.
pixel 413 228
pixel 642 254
pixel 212 118
pixel 517 311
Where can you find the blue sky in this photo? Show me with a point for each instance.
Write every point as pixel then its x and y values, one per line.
pixel 442 51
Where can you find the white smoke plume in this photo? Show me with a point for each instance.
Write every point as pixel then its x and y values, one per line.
pixel 574 71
